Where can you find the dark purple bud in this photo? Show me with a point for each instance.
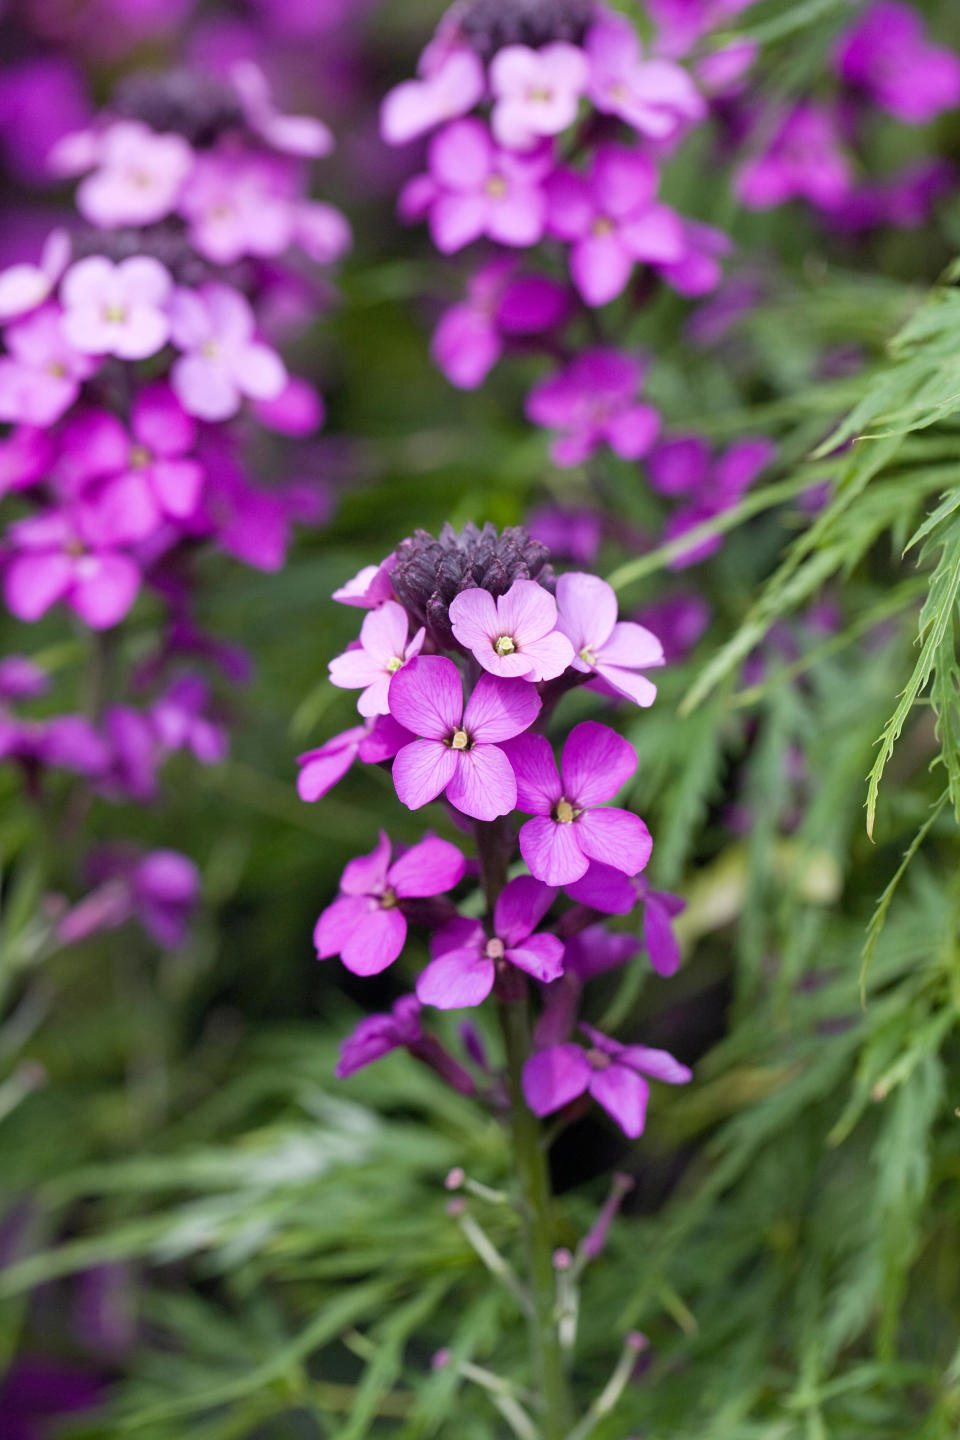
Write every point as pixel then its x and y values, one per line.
pixel 488 25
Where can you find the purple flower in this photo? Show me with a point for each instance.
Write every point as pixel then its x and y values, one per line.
pixel 366 925
pixel 223 362
pixel 179 721
pixel 416 106
pixel 372 743
pixel 459 748
pixel 37 1392
pixel 369 588
pixel 569 830
pixel 21 679
pixel 574 533
pixel 466 962
pixel 25 455
pixel 301 135
pixel 139 178
pixel 25 287
pixel 612 1073
pixel 654 96
pixel 382 650
pixel 615 651
pixel 805 159
pixel 594 401
pixel 698 271
pixel 469 339
pixel 474 189
pixel 379 1035
pixel 160 890
pixel 680 621
pixel 116 309
pixel 40 376
pixel 612 221
pixel 239 204
pixel 683 467
pixel 536 92
pixel 660 909
pixel 52 560
pixel 887 55
pixel 514 636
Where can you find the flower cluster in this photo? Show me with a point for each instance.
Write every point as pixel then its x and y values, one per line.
pixel 469 643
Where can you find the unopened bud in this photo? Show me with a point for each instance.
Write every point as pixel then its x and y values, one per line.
pixel 455 1179
pixel 441 1359
pixel 562 1259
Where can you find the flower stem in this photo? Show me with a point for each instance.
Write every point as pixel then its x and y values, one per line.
pixel 534 1181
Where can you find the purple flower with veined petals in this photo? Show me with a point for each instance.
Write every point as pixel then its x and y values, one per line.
pixel 450 89
pixel 473 189
pixel 379 1035
pixel 465 964
pixel 612 221
pixel 459 748
pixel 592 402
pixel 572 825
pixel 222 362
pixel 372 744
pixel 607 890
pixel 116 309
pixel 53 560
pixel 41 374
pixel 25 287
pixel 536 92
pixel 366 925
pixel 887 54
pixel 139 178
pixel 805 159
pixel 382 650
pixel 514 636
pixel 654 96
pixel 612 1073
pixel 615 651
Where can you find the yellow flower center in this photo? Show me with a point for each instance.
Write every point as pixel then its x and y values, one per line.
pixel 496 186
pixel 603 226
pixel 505 645
pixel 140 457
pixel 114 314
pixel 394 664
pixel 539 92
pixel 388 900
pixel 74 547
pixel 495 949
pixel 460 740
pixel 587 656
pixel 565 812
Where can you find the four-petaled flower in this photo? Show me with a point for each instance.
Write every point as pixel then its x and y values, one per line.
pixel 458 749
pixel 366 925
pixel 592 401
pixel 139 178
pixel 612 1073
pixel 383 650
pixel 536 92
pixel 465 962
pixel 568 829
pixel 223 362
pixel 654 96
pixel 514 636
pixel 116 309
pixel 615 651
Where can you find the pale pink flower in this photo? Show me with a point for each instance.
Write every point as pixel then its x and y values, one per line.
pixel 514 636
pixel 654 96
pixel 383 649
pixel 41 375
pixel 536 92
pixel 615 651
pixel 417 106
pixel 302 135
pixel 139 178
pixel 223 362
pixel 116 309
pixel 25 287
pixel 240 205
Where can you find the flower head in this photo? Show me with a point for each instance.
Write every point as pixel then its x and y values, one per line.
pixel 536 92
pixel 514 636
pixel 450 89
pixel 54 559
pixel 612 1073
pixel 466 961
pixel 24 287
pixel 887 54
pixel 116 309
pixel 379 1035
pixel 41 374
pixel 805 159
pixel 570 828
pixel 366 925
pixel 382 650
pixel 615 651
pixel 222 361
pixel 458 749
pixel 138 179
pixel 592 402
pixel 654 96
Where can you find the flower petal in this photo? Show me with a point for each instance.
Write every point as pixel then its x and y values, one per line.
pixel 658 1064
pixel 587 609
pixel 483 783
pixel 538 783
pixel 552 851
pixel 500 709
pixel 431 868
pixel 367 874
pixel 658 936
pixel 623 1094
pixel 338 922
pixel 549 656
pixel 473 618
pixel 540 956
pixel 520 907
pixel 554 1077
pixel 596 763
pixel 615 837
pixel 422 770
pixel 426 697
pixel 457 979
pixel 604 889
pixel 383 633
pixel 527 612
pixel 375 944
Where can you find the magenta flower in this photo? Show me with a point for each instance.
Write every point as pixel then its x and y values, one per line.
pixel 379 1035
pixel 240 205
pixel 683 467
pixel 514 636
pixel 160 890
pixel 222 362
pixel 594 401
pixel 607 890
pixel 41 375
pixel 474 189
pixel 698 271
pixel 139 178
pixel 369 588
pixel 615 651
pixel 466 962
pixel 660 909
pixel 179 721
pixel 418 106
pixel 458 749
pixel 680 621
pixel 612 1073
pixel 116 309
pixel 887 54
pixel 569 830
pixel 21 679
pixel 500 304
pixel 382 650
pixel 805 159
pixel 52 560
pixel 536 92
pixel 654 96
pixel 25 287
pixel 301 135
pixel 575 534
pixel 366 925
pixel 371 743
pixel 612 221
pixel 25 456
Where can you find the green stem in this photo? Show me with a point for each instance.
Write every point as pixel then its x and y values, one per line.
pixel 534 1180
